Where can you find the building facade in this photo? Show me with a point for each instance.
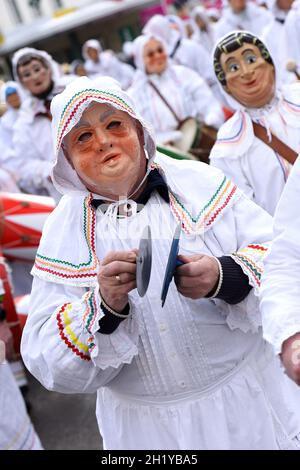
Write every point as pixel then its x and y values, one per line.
pixel 61 26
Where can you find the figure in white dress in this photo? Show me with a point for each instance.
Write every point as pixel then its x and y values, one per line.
pixel 100 62
pixel 185 92
pixel 12 96
pixel 194 374
pixel 248 77
pixel 41 79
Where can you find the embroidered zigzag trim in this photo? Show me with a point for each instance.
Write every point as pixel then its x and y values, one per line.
pixel 209 213
pixel 249 258
pixel 90 313
pixel 65 269
pixel 78 99
pixel 68 336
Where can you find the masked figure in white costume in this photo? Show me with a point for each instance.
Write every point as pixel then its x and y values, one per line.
pixel 290 41
pixel 242 14
pixel 100 62
pixel 41 79
pixel 16 429
pixel 186 92
pixel 257 146
pixel 203 28
pixel 12 96
pixel 181 50
pixel 273 35
pixel 195 374
pixel 281 282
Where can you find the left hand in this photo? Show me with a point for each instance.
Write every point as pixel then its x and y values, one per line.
pixel 198 276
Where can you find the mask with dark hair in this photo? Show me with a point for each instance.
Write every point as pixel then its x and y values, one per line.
pixel 232 42
pixel 27 58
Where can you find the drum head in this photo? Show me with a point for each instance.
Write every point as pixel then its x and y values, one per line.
pixel 144 262
pixel 189 129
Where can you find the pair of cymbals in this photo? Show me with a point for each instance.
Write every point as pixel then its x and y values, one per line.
pixel 144 263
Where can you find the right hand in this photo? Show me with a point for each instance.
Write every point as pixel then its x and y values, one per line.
pixel 290 357
pixel 114 291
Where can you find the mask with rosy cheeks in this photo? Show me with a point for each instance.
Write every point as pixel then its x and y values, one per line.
pixel 250 79
pixel 106 150
pixel 155 57
pixel 35 77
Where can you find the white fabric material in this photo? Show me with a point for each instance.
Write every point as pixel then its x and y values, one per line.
pixel 207 37
pixel 163 371
pixel 167 368
pixel 253 19
pixel 189 53
pixel 187 93
pixel 273 36
pixel 159 26
pixel 32 154
pixel 280 286
pixel 241 156
pixel 108 65
pixel 16 429
pixel 290 39
pixel 7 122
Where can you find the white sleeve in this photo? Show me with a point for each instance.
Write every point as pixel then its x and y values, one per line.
pixel 61 344
pixel 30 169
pixel 280 293
pixel 127 75
pixel 253 232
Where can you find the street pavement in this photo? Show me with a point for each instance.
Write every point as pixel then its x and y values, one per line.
pixel 64 422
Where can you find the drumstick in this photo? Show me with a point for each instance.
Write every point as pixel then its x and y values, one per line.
pixel 291 66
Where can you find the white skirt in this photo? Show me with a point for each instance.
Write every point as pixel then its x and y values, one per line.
pixel 255 407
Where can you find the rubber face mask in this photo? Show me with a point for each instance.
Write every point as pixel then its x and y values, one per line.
pixel 250 79
pixel 35 77
pixel 155 57
pixel 106 150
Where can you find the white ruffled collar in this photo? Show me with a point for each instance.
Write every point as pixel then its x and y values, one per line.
pixel 258 113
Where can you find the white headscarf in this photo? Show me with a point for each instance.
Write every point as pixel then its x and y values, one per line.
pixel 160 26
pixel 138 49
pixel 200 11
pixel 67 109
pixel 92 43
pixel 56 73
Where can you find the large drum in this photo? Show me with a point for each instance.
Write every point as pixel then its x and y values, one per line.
pixel 197 138
pixel 9 307
pixel 174 152
pixel 22 217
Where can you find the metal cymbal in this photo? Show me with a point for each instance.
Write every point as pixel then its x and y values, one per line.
pixel 172 264
pixel 144 262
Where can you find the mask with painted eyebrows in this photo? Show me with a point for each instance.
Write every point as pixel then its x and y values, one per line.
pixel 106 149
pixel 231 43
